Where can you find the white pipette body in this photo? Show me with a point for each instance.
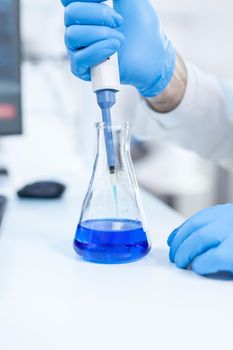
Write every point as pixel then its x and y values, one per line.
pixel 105 76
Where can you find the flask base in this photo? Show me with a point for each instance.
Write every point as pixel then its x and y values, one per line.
pixel 111 241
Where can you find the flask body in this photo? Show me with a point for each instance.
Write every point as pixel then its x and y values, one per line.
pixel 112 226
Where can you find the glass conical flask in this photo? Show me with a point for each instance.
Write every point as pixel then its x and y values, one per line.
pixel 112 227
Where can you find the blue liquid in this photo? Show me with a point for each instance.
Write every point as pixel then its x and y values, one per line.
pixel 111 241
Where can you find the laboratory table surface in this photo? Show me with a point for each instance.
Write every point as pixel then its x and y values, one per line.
pixel 51 299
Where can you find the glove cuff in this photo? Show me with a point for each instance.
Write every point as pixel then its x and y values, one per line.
pixel 166 73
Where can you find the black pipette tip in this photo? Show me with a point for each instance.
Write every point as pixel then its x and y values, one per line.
pixel 112 169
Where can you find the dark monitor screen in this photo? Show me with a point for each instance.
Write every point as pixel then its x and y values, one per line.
pixel 10 97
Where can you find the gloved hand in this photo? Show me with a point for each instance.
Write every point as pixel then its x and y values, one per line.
pixel 95 32
pixel 205 241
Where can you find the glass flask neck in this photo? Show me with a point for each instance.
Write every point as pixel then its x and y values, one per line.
pixel 113 143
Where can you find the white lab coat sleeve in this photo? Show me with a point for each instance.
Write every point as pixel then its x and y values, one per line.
pixel 203 122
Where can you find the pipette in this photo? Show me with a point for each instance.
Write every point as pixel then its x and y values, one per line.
pixel 106 83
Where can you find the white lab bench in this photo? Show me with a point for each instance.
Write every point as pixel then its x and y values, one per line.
pixel 50 299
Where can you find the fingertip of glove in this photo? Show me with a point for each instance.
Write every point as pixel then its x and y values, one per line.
pixel 171 256
pixel 64 2
pixel 118 19
pixel 180 263
pixel 200 268
pixel 116 43
pixel 121 37
pixel 172 236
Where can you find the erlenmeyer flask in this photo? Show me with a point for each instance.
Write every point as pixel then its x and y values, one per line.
pixel 112 226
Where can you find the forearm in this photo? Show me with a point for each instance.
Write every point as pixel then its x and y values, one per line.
pixel 171 97
pixel 201 122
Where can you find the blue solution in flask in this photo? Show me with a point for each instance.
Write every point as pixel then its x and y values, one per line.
pixel 111 241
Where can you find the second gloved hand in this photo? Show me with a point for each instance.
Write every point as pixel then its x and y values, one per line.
pixel 205 241
pixel 95 32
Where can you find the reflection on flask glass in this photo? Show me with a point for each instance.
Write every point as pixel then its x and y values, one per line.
pixel 112 225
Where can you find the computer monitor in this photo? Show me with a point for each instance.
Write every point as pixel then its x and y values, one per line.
pixel 10 59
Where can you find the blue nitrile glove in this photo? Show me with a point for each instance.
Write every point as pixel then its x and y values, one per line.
pixel 95 32
pixel 205 241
